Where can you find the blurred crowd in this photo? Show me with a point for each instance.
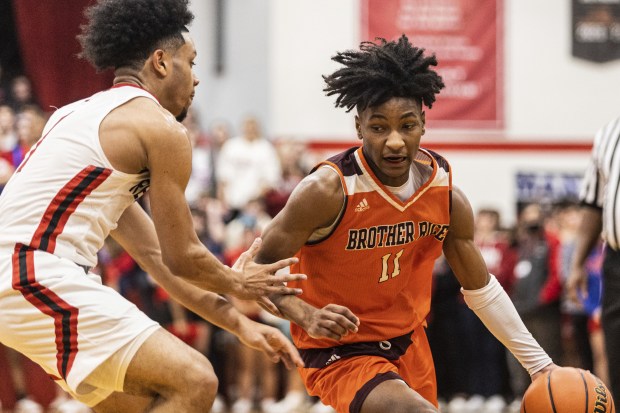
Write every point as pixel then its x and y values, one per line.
pixel 241 179
pixel 531 260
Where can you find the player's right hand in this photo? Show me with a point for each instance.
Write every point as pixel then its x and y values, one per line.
pixel 332 321
pixel 547 368
pixel 260 280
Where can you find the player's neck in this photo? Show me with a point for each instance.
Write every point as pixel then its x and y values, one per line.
pixel 125 75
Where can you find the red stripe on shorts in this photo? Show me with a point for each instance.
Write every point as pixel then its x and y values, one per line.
pixel 65 316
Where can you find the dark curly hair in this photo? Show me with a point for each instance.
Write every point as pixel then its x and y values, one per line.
pixel 380 71
pixel 123 33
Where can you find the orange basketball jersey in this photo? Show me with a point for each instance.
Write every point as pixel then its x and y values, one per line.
pixel 378 260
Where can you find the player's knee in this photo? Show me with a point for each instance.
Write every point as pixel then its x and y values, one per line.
pixel 202 383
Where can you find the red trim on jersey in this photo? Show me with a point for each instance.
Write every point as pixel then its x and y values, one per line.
pixel 36 145
pixel 64 204
pixel 65 316
pixel 136 86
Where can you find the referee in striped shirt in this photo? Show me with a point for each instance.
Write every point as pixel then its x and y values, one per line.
pixel 600 197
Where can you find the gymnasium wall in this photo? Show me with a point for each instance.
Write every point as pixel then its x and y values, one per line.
pixel 278 50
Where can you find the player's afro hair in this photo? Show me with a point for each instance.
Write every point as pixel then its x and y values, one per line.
pixel 123 33
pixel 380 71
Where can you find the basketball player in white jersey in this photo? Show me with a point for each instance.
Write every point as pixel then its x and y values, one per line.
pixel 78 185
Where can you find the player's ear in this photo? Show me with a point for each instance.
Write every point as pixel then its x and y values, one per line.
pixel 423 117
pixel 158 62
pixel 358 127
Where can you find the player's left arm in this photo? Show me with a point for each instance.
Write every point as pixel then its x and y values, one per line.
pixel 483 293
pixel 136 234
pixel 315 203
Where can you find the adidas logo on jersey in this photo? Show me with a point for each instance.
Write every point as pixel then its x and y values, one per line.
pixel 333 358
pixel 362 206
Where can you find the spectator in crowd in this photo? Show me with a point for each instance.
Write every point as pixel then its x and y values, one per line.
pixel 256 376
pixel 536 288
pixel 3 88
pixel 564 223
pixel 247 167
pixel 446 328
pixel 290 152
pixel 6 170
pixel 487 367
pixel 202 162
pixel 29 128
pixel 8 142
pixel 21 94
pixel 219 133
pixel 252 215
pixel 26 403
pixel 593 350
pixel 8 136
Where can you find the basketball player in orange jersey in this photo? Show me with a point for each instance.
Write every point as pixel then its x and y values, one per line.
pixel 78 185
pixel 367 226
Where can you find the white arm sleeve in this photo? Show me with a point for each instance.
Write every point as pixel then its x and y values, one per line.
pixel 495 309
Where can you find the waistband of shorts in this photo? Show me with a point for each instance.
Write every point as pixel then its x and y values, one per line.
pixel 9 249
pixel 391 349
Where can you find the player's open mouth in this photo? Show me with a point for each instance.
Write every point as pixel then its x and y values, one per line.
pixel 395 159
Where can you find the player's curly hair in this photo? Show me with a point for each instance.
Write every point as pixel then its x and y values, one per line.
pixel 123 33
pixel 380 71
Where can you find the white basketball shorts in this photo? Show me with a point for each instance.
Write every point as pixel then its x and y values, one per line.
pixel 66 321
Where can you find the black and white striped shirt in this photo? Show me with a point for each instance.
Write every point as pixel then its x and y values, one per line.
pixel 602 179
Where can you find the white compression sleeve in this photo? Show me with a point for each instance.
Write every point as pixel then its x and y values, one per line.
pixel 493 306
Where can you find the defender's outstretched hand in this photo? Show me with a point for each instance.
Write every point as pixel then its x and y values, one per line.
pixel 260 280
pixel 270 341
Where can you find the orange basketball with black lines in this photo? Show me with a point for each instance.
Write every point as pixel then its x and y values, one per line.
pixel 567 390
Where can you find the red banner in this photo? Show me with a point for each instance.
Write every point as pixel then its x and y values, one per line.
pixel 467 38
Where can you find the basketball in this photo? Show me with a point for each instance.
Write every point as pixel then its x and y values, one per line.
pixel 567 390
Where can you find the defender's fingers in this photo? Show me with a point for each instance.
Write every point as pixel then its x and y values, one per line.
pixel 287 351
pixel 282 278
pixel 269 306
pixel 283 290
pixel 253 250
pixel 291 360
pixel 278 265
pixel 286 359
pixel 269 351
pixel 293 355
pixel 247 255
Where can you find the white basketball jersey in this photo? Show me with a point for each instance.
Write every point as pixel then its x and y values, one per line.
pixel 66 197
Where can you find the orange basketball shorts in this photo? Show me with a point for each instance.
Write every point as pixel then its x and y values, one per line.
pixel 351 372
